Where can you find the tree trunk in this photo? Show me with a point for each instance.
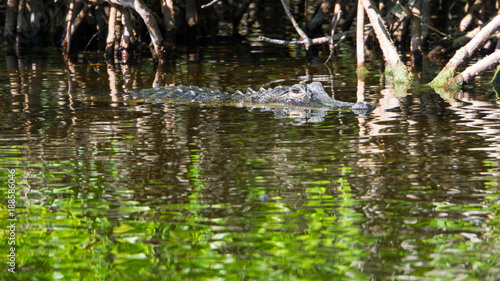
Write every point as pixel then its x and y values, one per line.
pixel 101 25
pixel 73 22
pixel 192 21
pixel 242 9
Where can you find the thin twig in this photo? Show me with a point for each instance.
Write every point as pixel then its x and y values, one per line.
pixel 436 30
pixel 95 34
pixel 296 26
pixel 314 41
pixel 281 42
pixel 209 4
pixel 335 21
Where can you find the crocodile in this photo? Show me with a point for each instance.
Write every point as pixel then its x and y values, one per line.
pixel 310 96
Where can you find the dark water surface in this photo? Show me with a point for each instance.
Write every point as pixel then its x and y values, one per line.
pixel 112 189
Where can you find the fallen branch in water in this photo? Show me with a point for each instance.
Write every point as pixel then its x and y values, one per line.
pixel 464 53
pixel 472 71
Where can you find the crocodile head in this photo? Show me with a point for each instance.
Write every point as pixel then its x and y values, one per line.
pixel 318 94
pixel 298 94
pixel 311 95
pixel 307 95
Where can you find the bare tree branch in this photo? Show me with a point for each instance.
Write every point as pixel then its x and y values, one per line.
pixel 209 4
pixel 335 21
pixel 296 26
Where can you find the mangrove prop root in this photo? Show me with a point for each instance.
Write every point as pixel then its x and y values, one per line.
pixel 464 53
pixel 472 71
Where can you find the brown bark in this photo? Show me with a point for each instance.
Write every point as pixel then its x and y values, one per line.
pixel 101 25
pixel 69 19
pixel 192 21
pixel 191 13
pixel 73 21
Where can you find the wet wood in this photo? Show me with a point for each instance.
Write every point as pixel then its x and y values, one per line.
pixel 388 49
pixel 465 52
pixel 474 70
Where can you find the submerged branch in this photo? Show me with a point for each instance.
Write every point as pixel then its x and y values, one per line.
pixel 472 71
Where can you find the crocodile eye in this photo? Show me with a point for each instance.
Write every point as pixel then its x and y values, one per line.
pixel 295 90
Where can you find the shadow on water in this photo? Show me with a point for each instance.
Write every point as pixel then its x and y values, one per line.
pixel 110 188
